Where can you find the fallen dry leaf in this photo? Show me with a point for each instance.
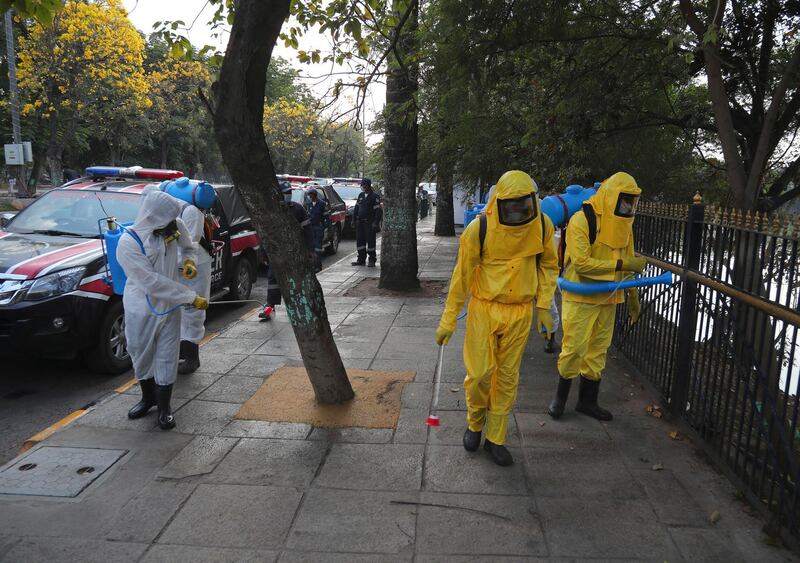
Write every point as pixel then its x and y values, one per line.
pixel 657 467
pixel 455 389
pixel 675 435
pixel 714 517
pixel 542 423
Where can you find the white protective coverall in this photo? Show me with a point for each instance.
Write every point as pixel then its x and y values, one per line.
pixel 193 320
pixel 153 341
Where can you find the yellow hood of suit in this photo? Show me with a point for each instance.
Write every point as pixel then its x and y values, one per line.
pixel 507 242
pixel 612 230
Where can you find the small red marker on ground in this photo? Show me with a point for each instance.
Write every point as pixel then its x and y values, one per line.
pixel 433 420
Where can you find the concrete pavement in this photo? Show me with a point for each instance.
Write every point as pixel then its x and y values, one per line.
pixel 220 489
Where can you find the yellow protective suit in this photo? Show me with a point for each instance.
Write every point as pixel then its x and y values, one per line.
pixel 588 320
pixel 515 269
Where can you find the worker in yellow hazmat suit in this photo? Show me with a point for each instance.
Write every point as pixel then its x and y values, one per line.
pixel 512 269
pixel 599 248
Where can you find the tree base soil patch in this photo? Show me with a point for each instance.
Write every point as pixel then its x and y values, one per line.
pixel 368 287
pixel 287 396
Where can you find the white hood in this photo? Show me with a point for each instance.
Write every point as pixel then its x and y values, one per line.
pixel 156 212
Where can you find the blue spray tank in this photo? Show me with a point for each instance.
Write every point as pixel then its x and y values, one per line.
pixel 560 207
pixel 474 211
pixel 198 193
pixel 110 241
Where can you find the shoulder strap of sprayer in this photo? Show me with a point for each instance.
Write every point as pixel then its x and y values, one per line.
pixel 137 238
pixel 591 221
pixel 482 234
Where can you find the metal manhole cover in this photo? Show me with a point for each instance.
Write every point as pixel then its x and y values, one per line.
pixel 54 471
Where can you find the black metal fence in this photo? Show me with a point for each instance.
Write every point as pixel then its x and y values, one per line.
pixel 721 344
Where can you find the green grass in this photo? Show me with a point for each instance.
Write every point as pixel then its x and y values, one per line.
pixel 6 207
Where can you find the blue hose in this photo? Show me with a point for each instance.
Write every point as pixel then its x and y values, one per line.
pixel 608 287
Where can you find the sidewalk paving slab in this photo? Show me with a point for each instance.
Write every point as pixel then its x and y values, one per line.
pixel 222 489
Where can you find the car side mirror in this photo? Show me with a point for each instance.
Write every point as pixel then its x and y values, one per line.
pixel 5 219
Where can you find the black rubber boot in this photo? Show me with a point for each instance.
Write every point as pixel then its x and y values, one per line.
pixel 371 264
pixel 550 345
pixel 191 360
pixel 556 408
pixel 471 440
pixel 148 399
pixel 163 395
pixel 587 400
pixel 358 263
pixel 500 454
pixel 182 354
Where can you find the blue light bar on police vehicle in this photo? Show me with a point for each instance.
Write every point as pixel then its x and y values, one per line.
pixel 133 172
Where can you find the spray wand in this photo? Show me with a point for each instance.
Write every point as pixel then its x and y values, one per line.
pixel 433 418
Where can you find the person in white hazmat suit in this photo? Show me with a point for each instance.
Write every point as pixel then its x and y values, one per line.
pixel 148 253
pixel 193 320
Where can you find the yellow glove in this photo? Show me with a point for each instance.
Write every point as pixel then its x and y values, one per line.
pixel 200 303
pixel 545 322
pixel 634 306
pixel 443 335
pixel 189 269
pixel 634 264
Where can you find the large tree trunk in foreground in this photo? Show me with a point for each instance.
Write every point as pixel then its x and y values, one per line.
pixel 399 243
pixel 238 123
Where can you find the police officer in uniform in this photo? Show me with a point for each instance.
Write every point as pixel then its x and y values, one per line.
pixel 367 217
pixel 299 213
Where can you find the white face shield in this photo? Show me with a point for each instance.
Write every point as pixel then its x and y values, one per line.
pixel 518 211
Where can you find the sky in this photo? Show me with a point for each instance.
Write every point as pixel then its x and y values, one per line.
pixel 196 13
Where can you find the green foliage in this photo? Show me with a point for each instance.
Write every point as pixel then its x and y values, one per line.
pixel 42 11
pixel 569 91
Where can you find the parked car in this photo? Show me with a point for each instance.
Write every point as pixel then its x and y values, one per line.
pixel 336 209
pixel 55 295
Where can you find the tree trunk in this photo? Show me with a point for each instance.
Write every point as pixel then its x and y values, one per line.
pixel 54 152
pixel 445 224
pixel 399 243
pixel 764 148
pixel 238 123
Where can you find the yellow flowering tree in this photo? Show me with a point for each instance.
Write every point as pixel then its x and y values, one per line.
pixel 86 66
pixel 176 116
pixel 291 128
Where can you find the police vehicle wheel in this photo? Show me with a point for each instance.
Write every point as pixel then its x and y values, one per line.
pixel 333 246
pixel 110 355
pixel 242 281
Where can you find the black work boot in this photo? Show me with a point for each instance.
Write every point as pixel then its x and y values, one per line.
pixel 163 395
pixel 550 344
pixel 191 359
pixel 371 264
pixel 500 454
pixel 358 263
pixel 587 400
pixel 148 399
pixel 556 408
pixel 471 440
